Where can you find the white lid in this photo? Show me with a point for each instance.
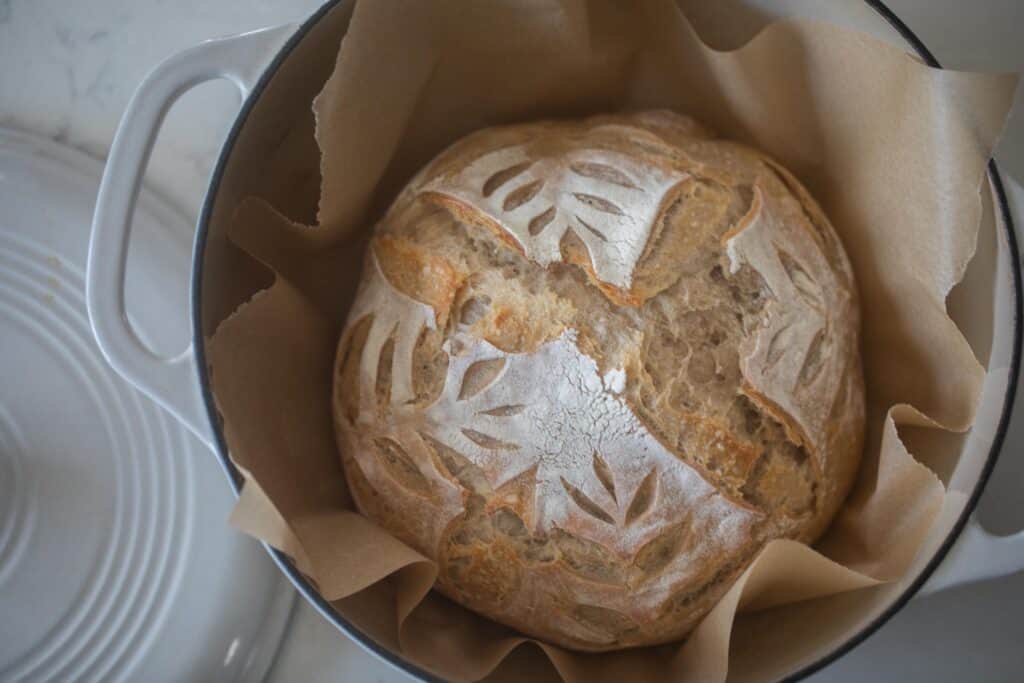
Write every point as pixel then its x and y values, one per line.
pixel 116 559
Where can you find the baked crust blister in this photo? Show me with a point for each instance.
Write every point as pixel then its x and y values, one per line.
pixel 594 366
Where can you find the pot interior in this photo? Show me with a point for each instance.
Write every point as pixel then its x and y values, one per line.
pixel 271 154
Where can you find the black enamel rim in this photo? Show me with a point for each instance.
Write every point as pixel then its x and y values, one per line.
pixel 309 592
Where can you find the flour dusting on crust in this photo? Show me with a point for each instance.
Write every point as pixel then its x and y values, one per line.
pixel 606 198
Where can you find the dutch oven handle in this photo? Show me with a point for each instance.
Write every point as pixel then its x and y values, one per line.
pixel 976 556
pixel 171 382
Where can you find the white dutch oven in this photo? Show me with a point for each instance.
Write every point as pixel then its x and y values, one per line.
pixel 278 71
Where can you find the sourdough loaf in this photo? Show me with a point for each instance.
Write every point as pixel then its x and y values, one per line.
pixel 594 366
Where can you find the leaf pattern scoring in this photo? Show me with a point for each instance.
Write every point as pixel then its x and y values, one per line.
pixel 549 413
pixel 791 360
pixel 610 200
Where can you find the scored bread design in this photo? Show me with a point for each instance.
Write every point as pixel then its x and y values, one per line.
pixel 593 367
pixel 609 200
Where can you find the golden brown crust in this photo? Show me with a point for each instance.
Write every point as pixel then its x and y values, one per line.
pixel 594 367
pixel 410 268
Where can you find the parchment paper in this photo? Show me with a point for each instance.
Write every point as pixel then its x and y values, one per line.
pixel 893 150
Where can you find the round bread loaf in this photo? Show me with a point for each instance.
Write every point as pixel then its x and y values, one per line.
pixel 594 366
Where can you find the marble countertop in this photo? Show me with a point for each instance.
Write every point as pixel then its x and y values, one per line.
pixel 67 70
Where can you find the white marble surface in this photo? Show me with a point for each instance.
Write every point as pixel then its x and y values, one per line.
pixel 68 68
